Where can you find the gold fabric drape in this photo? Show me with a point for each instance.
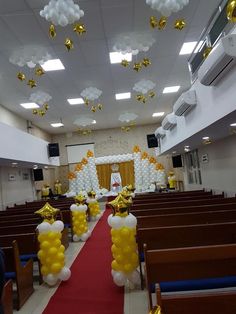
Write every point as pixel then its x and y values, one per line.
pixel 126 170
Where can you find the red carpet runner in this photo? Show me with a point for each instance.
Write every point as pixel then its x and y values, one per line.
pixel 90 290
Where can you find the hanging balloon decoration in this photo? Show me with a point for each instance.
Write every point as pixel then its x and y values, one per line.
pixel 93 205
pixel 231 11
pixel 32 56
pixel 134 43
pixel 128 127
pixel 90 96
pixel 63 13
pixel 161 24
pixel 144 89
pixel 79 219
pixel 84 131
pixel 206 52
pixel 40 98
pixel 124 248
pixel 51 252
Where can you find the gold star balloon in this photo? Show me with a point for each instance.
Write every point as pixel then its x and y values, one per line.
pixel 31 83
pixel 41 113
pixel 206 52
pixel 137 66
pixel 21 76
pixel 35 111
pixel 231 11
pixel 146 62
pixel 52 31
pixel 180 24
pixel 39 71
pixel 93 109
pixel 79 29
pixel 139 97
pixel 86 101
pixel 46 106
pixel 152 94
pixel 153 22
pixel 48 213
pixel 162 23
pixel 125 63
pixel 69 44
pixel 156 310
pixel 100 106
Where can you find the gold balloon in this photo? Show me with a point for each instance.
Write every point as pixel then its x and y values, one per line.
pixel 52 31
pixel 156 310
pixel 146 62
pixel 153 22
pixel 41 113
pixel 180 24
pixel 144 100
pixel 39 71
pixel 21 76
pixel 48 213
pixel 93 109
pixel 125 63
pixel 137 66
pixel 46 106
pixel 79 29
pixel 32 83
pixel 139 97
pixel 206 52
pixel 86 101
pixel 35 111
pixel 162 23
pixel 152 94
pixel 100 106
pixel 231 11
pixel 69 44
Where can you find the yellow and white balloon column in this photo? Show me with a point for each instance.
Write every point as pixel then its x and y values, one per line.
pixel 124 247
pixel 51 253
pixel 79 219
pixel 94 207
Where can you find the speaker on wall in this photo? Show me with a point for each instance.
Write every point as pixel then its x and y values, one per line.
pixel 38 174
pixel 177 161
pixel 152 141
pixel 53 150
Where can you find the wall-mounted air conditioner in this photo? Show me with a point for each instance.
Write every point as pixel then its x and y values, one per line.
pixel 185 103
pixel 160 133
pixel 219 62
pixel 169 122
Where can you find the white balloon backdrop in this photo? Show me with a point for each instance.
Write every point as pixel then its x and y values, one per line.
pixel 167 7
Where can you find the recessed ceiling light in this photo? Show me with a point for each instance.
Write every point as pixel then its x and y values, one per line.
pixel 75 101
pixel 171 89
pixel 233 124
pixel 35 167
pixel 30 105
pixel 188 47
pixel 206 138
pixel 57 125
pixel 94 122
pixel 123 96
pixel 158 114
pixel 117 57
pixel 53 65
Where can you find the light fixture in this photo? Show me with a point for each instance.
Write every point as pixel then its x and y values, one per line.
pixel 174 152
pixel 57 125
pixel 158 114
pixel 35 167
pixel 30 105
pixel 117 57
pixel 53 65
pixel 94 122
pixel 186 146
pixel 205 138
pixel 123 96
pixel 233 124
pixel 171 89
pixel 188 47
pixel 14 163
pixel 75 101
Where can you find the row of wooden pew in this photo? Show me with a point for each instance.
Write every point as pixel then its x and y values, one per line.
pixel 184 238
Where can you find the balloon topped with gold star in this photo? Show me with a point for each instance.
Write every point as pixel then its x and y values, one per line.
pixel 161 24
pixel 32 83
pixel 80 199
pixel 21 76
pixel 69 44
pixel 48 213
pixel 52 31
pixel 120 206
pixel 125 63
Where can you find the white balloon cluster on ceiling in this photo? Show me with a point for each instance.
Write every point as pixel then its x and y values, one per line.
pixel 83 121
pixel 62 12
pixel 91 93
pixel 30 55
pixel 40 97
pixel 134 43
pixel 167 7
pixel 127 117
pixel 144 86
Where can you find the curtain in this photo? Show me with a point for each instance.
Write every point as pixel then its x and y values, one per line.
pixel 126 170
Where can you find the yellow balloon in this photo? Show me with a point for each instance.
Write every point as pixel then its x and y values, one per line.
pixel 41 254
pixel 42 237
pixel 45 245
pixel 44 270
pixel 52 251
pixel 56 243
pixel 125 232
pixel 55 268
pixel 60 256
pixel 114 265
pixel 128 267
pixel 61 249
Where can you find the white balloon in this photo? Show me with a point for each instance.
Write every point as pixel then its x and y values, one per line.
pixel 109 220
pixel 134 277
pixel 84 237
pixel 44 227
pixel 65 274
pixel 51 279
pixel 73 207
pixel 119 279
pixel 130 221
pixel 76 238
pixel 58 226
pixel 116 222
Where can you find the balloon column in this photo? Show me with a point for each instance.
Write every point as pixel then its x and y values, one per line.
pixel 124 247
pixel 94 208
pixel 79 221
pixel 51 253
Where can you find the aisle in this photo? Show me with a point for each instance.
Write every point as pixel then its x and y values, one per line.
pixel 90 289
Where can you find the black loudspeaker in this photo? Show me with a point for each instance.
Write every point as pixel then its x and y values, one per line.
pixel 53 150
pixel 152 141
pixel 38 174
pixel 177 161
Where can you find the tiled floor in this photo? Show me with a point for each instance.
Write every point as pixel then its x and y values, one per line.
pixel 135 300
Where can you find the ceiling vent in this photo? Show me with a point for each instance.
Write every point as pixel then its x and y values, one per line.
pixel 160 133
pixel 169 122
pixel 219 62
pixel 185 103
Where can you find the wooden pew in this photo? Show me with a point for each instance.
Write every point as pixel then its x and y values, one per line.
pixel 22 275
pixel 187 264
pixel 193 218
pixel 155 194
pixel 184 236
pixel 7 299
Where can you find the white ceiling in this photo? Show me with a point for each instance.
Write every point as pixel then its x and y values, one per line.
pixel 88 64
